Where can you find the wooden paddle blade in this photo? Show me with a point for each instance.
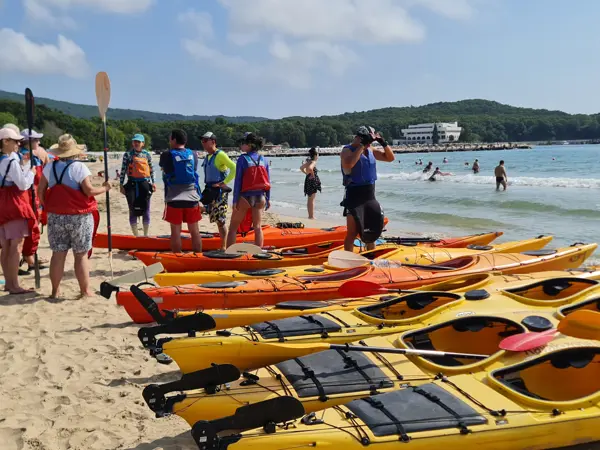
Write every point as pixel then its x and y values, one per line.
pixel 360 288
pixel 102 93
pixel 527 341
pixel 29 108
pixel 583 324
pixel 342 259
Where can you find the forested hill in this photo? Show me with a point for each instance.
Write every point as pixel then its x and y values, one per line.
pixel 89 111
pixel 482 121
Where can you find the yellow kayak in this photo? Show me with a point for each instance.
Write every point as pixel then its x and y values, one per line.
pixel 263 343
pixel 406 254
pixel 332 377
pixel 511 401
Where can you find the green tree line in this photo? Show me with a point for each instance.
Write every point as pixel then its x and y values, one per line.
pixel 482 121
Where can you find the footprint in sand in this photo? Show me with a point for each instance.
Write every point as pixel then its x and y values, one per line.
pixel 11 438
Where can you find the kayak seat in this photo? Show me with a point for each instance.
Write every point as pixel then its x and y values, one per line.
pixel 301 305
pixel 295 326
pixel 296 251
pixel 222 284
pixel 262 272
pixel 333 372
pixel 424 408
pixel 337 276
pixel 482 248
pixel 263 256
pixel 544 252
pixel 218 254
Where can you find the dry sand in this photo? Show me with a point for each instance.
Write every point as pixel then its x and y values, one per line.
pixel 72 371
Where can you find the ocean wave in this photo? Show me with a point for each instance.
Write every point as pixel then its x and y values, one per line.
pixel 588 183
pixel 455 221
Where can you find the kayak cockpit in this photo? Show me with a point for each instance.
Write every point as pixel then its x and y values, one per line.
pixel 567 375
pixel 551 290
pixel 472 334
pixel 338 276
pixel 592 304
pixel 408 307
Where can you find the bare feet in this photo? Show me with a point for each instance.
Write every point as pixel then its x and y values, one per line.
pixel 86 294
pixel 20 290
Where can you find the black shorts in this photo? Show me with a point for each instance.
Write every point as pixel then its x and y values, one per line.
pixel 499 179
pixel 356 196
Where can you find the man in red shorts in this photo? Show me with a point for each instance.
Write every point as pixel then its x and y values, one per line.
pixel 182 190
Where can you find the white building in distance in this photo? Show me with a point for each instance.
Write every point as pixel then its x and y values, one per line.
pixel 423 133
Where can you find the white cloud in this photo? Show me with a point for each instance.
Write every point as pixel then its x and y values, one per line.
pixel 201 22
pixel 54 13
pixel 302 37
pixel 64 58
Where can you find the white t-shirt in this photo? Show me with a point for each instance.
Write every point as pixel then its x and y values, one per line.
pixel 20 176
pixel 77 171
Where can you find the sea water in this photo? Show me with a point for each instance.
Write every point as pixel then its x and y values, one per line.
pixel 551 190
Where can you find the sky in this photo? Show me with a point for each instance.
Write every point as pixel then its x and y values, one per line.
pixel 277 58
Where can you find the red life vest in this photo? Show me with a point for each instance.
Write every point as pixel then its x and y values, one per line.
pixel 62 199
pixel 16 204
pixel 255 177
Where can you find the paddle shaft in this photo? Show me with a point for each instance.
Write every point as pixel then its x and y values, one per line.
pixel 108 227
pixel 29 105
pixel 405 351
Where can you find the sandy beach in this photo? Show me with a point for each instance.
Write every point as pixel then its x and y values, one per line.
pixel 72 371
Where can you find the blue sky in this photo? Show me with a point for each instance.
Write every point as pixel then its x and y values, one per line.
pixel 277 58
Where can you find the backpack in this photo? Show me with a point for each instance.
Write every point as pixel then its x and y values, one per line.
pixel 184 165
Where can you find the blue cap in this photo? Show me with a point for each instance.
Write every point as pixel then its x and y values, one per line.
pixel 139 137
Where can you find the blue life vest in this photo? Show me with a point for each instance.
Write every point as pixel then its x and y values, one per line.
pixel 184 164
pixel 36 161
pixel 212 174
pixel 364 171
pixel 3 181
pixel 60 174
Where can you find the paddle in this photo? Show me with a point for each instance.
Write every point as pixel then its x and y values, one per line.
pixel 103 99
pixel 243 248
pixel 582 324
pixel 138 276
pixel 362 288
pixel 29 109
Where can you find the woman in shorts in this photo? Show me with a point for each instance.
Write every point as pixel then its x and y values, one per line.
pixel 67 194
pixel 17 217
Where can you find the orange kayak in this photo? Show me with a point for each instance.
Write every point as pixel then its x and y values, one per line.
pixel 257 292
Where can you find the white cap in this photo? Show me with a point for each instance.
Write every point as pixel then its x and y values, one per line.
pixel 12 126
pixel 9 133
pixel 209 135
pixel 34 134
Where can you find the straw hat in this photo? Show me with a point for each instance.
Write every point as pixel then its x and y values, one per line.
pixel 67 147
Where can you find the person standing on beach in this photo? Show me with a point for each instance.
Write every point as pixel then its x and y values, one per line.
pixel 252 188
pixel 17 217
pixel 312 183
pixel 363 213
pixel 475 166
pixel 219 171
pixel 501 177
pixel 67 194
pixel 182 190
pixel 137 165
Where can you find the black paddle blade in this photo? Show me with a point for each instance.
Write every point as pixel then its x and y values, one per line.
pixel 106 289
pixel 29 107
pixel 148 304
pixel 258 415
pixel 186 324
pixel 207 379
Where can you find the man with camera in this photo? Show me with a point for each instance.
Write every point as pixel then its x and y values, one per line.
pixel 363 213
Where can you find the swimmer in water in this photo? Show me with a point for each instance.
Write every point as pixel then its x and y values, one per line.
pixel 501 177
pixel 445 160
pixel 436 172
pixel 428 167
pixel 476 166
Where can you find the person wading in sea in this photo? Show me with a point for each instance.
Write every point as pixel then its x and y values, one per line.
pixel 137 165
pixel 182 190
pixel 363 213
pixel 501 177
pixel 219 171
